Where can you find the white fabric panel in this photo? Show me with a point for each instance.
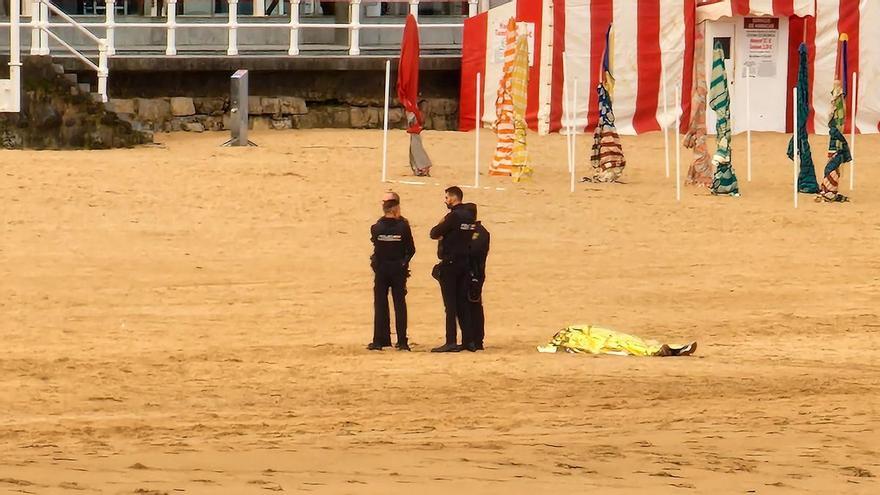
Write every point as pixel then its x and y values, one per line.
pixel 804 8
pixel 625 65
pixel 546 70
pixel 761 7
pixel 868 105
pixel 672 45
pixel 496 23
pixel 826 60
pixel 577 62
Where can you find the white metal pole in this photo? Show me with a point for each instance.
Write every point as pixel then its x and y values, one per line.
pixel 414 8
pixel 472 8
pixel 355 28
pixel 749 121
pixel 44 23
pixel 574 128
pixel 171 27
pixel 677 144
pixel 35 27
pixel 795 157
pixel 477 125
pixel 110 18
pixel 15 54
pixel 293 49
pixel 852 147
pixel 571 131
pixel 566 98
pixel 103 71
pixel 666 125
pixel 232 30
pixel 385 123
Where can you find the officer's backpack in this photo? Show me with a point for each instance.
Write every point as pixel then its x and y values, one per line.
pixel 479 246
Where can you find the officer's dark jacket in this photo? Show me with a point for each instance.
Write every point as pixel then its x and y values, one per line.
pixel 392 241
pixel 455 229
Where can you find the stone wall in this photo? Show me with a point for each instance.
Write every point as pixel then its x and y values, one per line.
pixel 57 112
pixel 211 113
pixel 195 97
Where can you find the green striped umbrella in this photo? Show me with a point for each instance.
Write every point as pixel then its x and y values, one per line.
pixel 807 175
pixel 724 180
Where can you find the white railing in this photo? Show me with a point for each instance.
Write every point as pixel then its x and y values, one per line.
pixel 41 30
pixel 40 26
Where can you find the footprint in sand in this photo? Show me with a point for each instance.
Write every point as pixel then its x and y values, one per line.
pixel 267 485
pixel 13 481
pixel 857 472
pixel 71 485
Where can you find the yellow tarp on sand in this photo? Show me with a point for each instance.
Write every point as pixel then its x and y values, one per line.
pixel 597 340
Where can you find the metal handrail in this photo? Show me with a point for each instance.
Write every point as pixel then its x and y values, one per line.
pixel 40 24
pixel 74 51
pixel 70 20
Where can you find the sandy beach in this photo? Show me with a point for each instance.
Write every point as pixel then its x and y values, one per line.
pixel 186 318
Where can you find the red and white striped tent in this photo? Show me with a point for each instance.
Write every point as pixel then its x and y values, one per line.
pixel 657 38
pixel 819 23
pixel 650 39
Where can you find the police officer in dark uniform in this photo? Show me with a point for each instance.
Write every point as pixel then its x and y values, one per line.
pixel 454 235
pixel 393 248
pixel 479 251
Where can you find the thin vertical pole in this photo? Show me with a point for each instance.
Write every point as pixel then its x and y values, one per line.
pixel 566 98
pixel 795 157
pixel 666 125
pixel 385 123
pixel 478 124
pixel 293 49
pixel 677 144
pixel 749 121
pixel 574 128
pixel 232 28
pixel 15 55
pixel 171 27
pixel 852 147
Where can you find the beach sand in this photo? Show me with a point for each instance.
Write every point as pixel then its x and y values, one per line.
pixel 187 318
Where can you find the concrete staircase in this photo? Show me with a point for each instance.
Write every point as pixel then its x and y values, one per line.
pixel 59 111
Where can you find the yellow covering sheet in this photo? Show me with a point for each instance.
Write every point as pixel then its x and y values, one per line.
pixel 597 340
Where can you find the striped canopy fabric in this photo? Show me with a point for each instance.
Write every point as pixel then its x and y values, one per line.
pixel 724 181
pixel 716 9
pixel 653 37
pixel 657 38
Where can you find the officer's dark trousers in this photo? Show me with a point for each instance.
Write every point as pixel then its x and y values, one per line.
pixel 389 276
pixel 478 318
pixel 454 279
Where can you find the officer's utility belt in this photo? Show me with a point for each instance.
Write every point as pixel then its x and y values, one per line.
pixel 445 263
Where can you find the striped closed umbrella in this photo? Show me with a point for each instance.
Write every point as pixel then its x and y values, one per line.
pixel 700 171
pixel 807 174
pixel 838 148
pixel 607 157
pixel 724 180
pixel 502 162
pixel 519 92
